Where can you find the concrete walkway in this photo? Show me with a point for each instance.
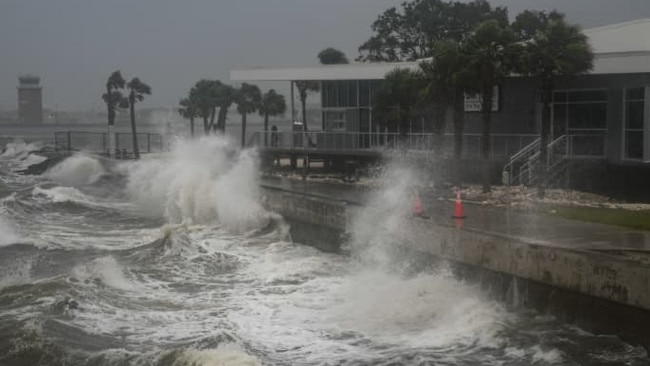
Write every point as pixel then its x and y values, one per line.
pixel 525 226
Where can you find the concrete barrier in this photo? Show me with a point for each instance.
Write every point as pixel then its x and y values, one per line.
pixel 600 292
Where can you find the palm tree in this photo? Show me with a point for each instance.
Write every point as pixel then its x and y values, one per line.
pixel 137 91
pixel 304 87
pixel 552 48
pixel 446 79
pixel 204 96
pixel 224 98
pixel 248 99
pixel 490 52
pixel 189 109
pixel 273 104
pixel 114 100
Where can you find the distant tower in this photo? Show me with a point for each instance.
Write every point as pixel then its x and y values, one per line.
pixel 30 99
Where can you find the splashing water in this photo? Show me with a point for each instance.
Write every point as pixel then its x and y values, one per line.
pixel 376 230
pixel 202 181
pixel 76 170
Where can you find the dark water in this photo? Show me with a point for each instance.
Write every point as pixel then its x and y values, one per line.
pixel 172 261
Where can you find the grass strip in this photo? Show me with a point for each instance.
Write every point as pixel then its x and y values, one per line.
pixel 627 218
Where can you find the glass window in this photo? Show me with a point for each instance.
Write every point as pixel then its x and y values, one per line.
pixel 332 93
pixel 343 93
pixel 634 122
pixel 635 94
pixel 634 144
pixel 588 96
pixel 587 116
pixel 352 93
pixel 335 120
pixel 364 93
pixel 634 115
pixel 559 97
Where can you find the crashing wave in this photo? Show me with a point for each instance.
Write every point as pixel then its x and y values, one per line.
pixel 76 170
pixel 202 181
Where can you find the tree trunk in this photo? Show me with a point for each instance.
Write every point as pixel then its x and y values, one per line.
pixel 243 130
pixel 192 126
pixel 134 133
pixel 266 128
pixel 459 125
pixel 212 114
pixel 206 128
pixel 542 166
pixel 303 101
pixel 111 121
pixel 221 119
pixel 486 109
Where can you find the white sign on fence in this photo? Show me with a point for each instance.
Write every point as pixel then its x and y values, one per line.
pixel 473 102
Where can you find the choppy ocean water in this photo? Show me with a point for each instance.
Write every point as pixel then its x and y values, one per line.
pixel 173 260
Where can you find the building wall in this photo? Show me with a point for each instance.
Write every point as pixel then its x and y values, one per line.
pixel 520 111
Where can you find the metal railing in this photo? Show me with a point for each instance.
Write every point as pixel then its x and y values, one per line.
pixel 501 145
pixel 523 166
pixel 97 142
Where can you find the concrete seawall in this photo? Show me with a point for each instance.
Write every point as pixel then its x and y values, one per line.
pixel 603 293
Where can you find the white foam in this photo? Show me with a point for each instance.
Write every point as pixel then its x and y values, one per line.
pixel 76 170
pixel 18 148
pixel 8 234
pixel 60 194
pixel 108 271
pixel 202 181
pixel 546 357
pixel 16 272
pixel 224 355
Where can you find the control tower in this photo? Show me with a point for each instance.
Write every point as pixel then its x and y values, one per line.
pixel 30 99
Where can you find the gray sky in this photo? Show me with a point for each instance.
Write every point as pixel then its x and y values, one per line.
pixel 75 44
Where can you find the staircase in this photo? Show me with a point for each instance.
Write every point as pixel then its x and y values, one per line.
pixel 523 166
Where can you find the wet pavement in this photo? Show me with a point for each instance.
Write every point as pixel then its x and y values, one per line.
pixel 528 226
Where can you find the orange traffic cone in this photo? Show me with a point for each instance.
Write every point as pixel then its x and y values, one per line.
pixel 458 211
pixel 418 210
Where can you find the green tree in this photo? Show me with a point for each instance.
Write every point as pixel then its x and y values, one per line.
pixel 137 91
pixel 114 100
pixel 305 87
pixel 189 110
pixel 396 99
pixel 446 78
pixel 491 50
pixel 272 104
pixel 411 33
pixel 551 49
pixel 332 56
pixel 225 97
pixel 248 99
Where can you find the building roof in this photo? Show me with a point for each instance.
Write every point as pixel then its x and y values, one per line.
pixel 619 48
pixel 621 37
pixel 357 71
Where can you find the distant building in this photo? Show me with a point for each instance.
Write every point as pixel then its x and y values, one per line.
pixel 30 99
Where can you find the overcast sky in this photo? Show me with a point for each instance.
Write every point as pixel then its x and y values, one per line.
pixel 75 44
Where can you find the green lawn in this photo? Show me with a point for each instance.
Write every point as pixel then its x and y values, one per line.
pixel 619 217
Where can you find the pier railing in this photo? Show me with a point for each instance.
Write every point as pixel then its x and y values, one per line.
pixel 501 145
pixel 97 142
